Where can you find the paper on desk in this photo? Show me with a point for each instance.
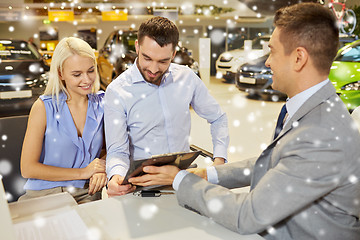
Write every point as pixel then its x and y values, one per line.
pixel 65 225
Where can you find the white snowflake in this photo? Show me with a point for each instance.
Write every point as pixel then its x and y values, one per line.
pixel 236 123
pixel 304 215
pixel 4 137
pixel 353 179
pixel 34 68
pixel 5 167
pixel 208 160
pixel 251 117
pixel 70 189
pixel 214 205
pixel 289 189
pixel 271 230
pixel 94 233
pixel 39 221
pixel 295 124
pixel 246 172
pixel 9 197
pixel 217 37
pixel 263 146
pixel 322 232
pixel 148 211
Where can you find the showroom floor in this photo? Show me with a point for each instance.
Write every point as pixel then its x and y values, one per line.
pixel 251 122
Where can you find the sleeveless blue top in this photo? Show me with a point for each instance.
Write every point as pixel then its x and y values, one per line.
pixel 62 147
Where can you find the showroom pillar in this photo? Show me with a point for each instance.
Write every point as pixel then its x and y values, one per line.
pixel 204 59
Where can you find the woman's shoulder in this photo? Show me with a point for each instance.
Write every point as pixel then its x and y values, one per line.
pixel 97 97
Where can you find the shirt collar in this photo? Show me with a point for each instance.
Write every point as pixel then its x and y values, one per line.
pixel 139 77
pixel 294 103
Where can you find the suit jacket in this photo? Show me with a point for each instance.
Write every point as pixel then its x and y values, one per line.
pixel 303 186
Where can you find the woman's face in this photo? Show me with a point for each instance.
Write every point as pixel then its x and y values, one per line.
pixel 79 75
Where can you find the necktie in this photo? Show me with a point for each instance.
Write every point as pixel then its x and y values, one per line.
pixel 280 121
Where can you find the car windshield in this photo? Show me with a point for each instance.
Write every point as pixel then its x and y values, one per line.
pixel 128 41
pixel 258 42
pixel 349 54
pixel 17 50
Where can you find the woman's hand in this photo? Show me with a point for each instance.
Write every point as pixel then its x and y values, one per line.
pixel 96 166
pixel 97 182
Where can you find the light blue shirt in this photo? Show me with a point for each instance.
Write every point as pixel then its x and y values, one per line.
pixel 143 119
pixel 62 147
pixel 292 105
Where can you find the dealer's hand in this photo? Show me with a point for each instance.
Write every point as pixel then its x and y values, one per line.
pixel 116 189
pixel 163 175
pixel 201 172
pixel 218 161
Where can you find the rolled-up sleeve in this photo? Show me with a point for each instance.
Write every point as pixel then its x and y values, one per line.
pixel 208 108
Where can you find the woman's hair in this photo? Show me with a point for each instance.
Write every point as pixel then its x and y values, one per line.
pixel 68 47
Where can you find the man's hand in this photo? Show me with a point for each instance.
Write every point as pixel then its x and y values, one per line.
pixel 97 182
pixel 163 175
pixel 218 161
pixel 116 189
pixel 201 172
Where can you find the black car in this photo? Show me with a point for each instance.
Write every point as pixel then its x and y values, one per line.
pixel 118 54
pixel 23 76
pixel 256 79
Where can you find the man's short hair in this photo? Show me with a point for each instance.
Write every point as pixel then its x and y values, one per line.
pixel 312 26
pixel 160 29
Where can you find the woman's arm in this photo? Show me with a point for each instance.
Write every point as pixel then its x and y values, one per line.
pixel 32 147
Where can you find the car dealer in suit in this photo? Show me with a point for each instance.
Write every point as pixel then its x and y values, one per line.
pixel 305 184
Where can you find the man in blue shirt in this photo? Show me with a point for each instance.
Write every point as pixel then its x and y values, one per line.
pixel 147 107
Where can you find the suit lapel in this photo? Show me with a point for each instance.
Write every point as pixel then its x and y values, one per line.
pixel 320 96
pixel 263 163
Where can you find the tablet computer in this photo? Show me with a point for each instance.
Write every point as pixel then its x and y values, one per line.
pixel 182 160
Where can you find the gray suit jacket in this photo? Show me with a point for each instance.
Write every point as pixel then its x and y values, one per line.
pixel 305 185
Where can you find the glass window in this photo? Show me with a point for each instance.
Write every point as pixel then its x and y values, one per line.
pixel 127 41
pixel 258 42
pixel 17 50
pixel 349 54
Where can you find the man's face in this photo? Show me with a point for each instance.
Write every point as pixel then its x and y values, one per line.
pixel 279 63
pixel 153 60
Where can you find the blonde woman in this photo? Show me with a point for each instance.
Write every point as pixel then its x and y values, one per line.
pixel 65 134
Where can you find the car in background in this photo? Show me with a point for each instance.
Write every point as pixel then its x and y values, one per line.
pixel 183 57
pixel 228 62
pixel 23 76
pixel 345 39
pixel 118 54
pixel 255 78
pixel 345 74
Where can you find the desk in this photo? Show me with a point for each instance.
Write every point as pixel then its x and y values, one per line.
pixel 133 217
